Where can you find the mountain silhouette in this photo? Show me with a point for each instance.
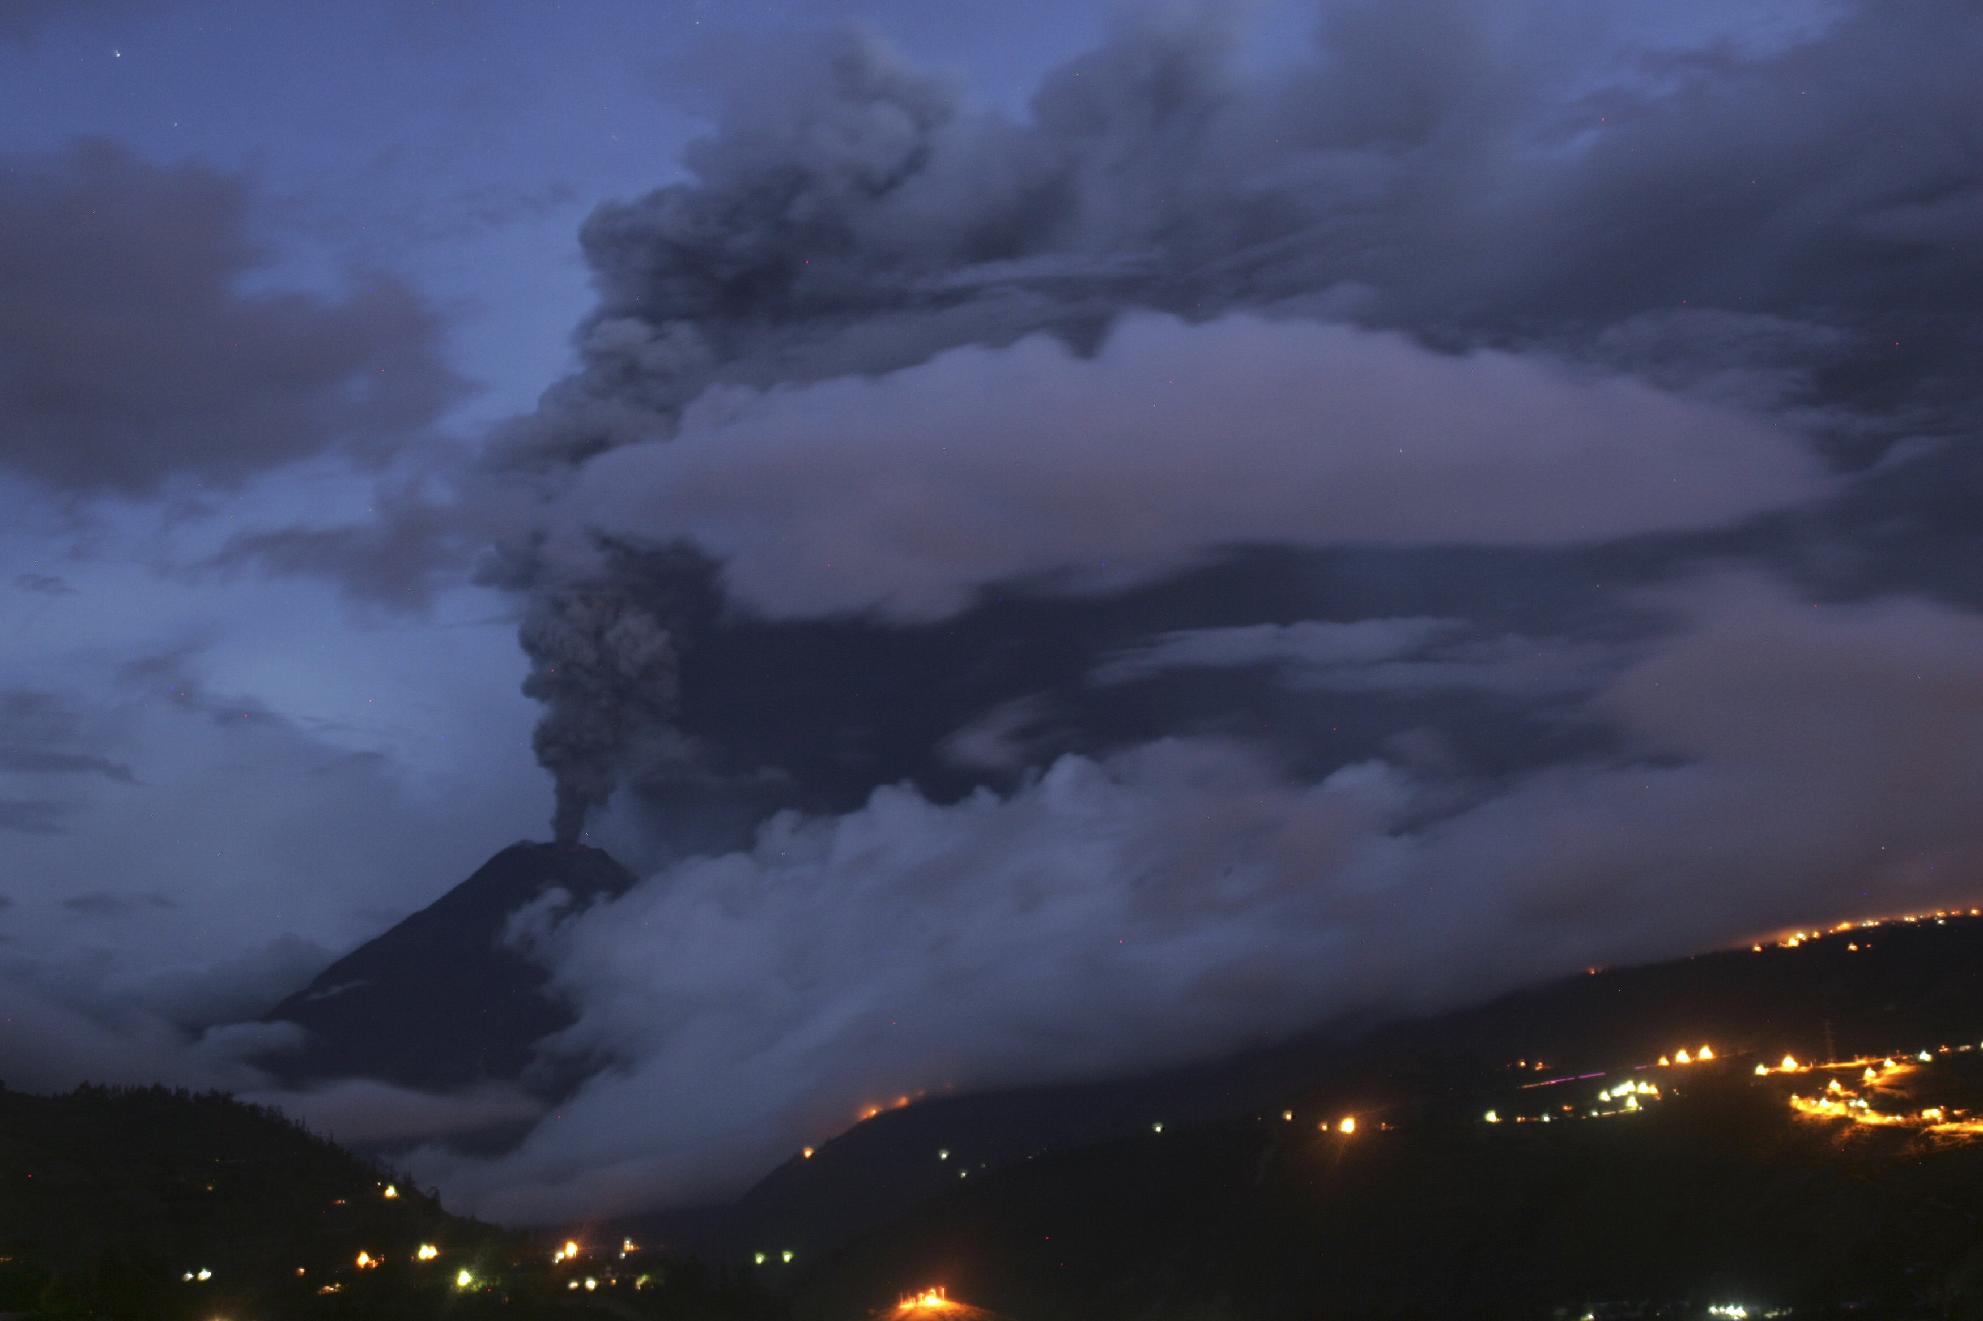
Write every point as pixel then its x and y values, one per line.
pixel 439 1000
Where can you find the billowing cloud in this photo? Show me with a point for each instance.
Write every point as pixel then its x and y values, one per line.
pixel 1306 644
pixel 1401 655
pixel 371 1113
pixel 66 1024
pixel 1771 758
pixel 1537 276
pixel 905 494
pixel 1183 549
pixel 21 21
pixel 131 351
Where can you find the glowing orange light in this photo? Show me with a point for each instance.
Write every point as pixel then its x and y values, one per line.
pixel 928 1300
pixel 807 1153
pixel 1683 1057
pixel 1790 1062
pixel 366 1261
pixel 1347 1124
pixel 391 1192
pixel 1704 1053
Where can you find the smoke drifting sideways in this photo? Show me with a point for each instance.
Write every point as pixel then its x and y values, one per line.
pixel 1502 322
pixel 1707 206
pixel 1190 896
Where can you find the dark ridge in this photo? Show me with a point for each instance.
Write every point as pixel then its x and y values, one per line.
pixel 146 1204
pixel 1904 981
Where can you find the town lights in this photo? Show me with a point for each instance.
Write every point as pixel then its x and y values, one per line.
pixel 426 1252
pixel 463 1279
pixel 1346 1125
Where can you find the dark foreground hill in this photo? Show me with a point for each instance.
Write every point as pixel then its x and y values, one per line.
pixel 1719 1199
pixel 1561 1153
pixel 154 1205
pixel 1565 1152
pixel 1840 994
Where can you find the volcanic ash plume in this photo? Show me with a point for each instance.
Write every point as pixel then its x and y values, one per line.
pixel 606 672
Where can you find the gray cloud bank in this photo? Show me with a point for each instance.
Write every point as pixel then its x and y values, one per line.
pixel 903 495
pixel 1225 552
pixel 885 351
pixel 1187 896
pixel 132 353
pixel 1236 550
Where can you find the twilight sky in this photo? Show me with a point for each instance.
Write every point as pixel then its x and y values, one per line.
pixel 1060 537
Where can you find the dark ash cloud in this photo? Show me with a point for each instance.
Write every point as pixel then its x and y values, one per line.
pixel 1191 896
pixel 1518 209
pixel 1484 498
pixel 130 354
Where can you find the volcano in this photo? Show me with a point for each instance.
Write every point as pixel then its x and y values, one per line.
pixel 439 1001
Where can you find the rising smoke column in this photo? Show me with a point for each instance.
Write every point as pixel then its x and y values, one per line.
pixel 605 670
pixel 851 215
pixel 860 221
